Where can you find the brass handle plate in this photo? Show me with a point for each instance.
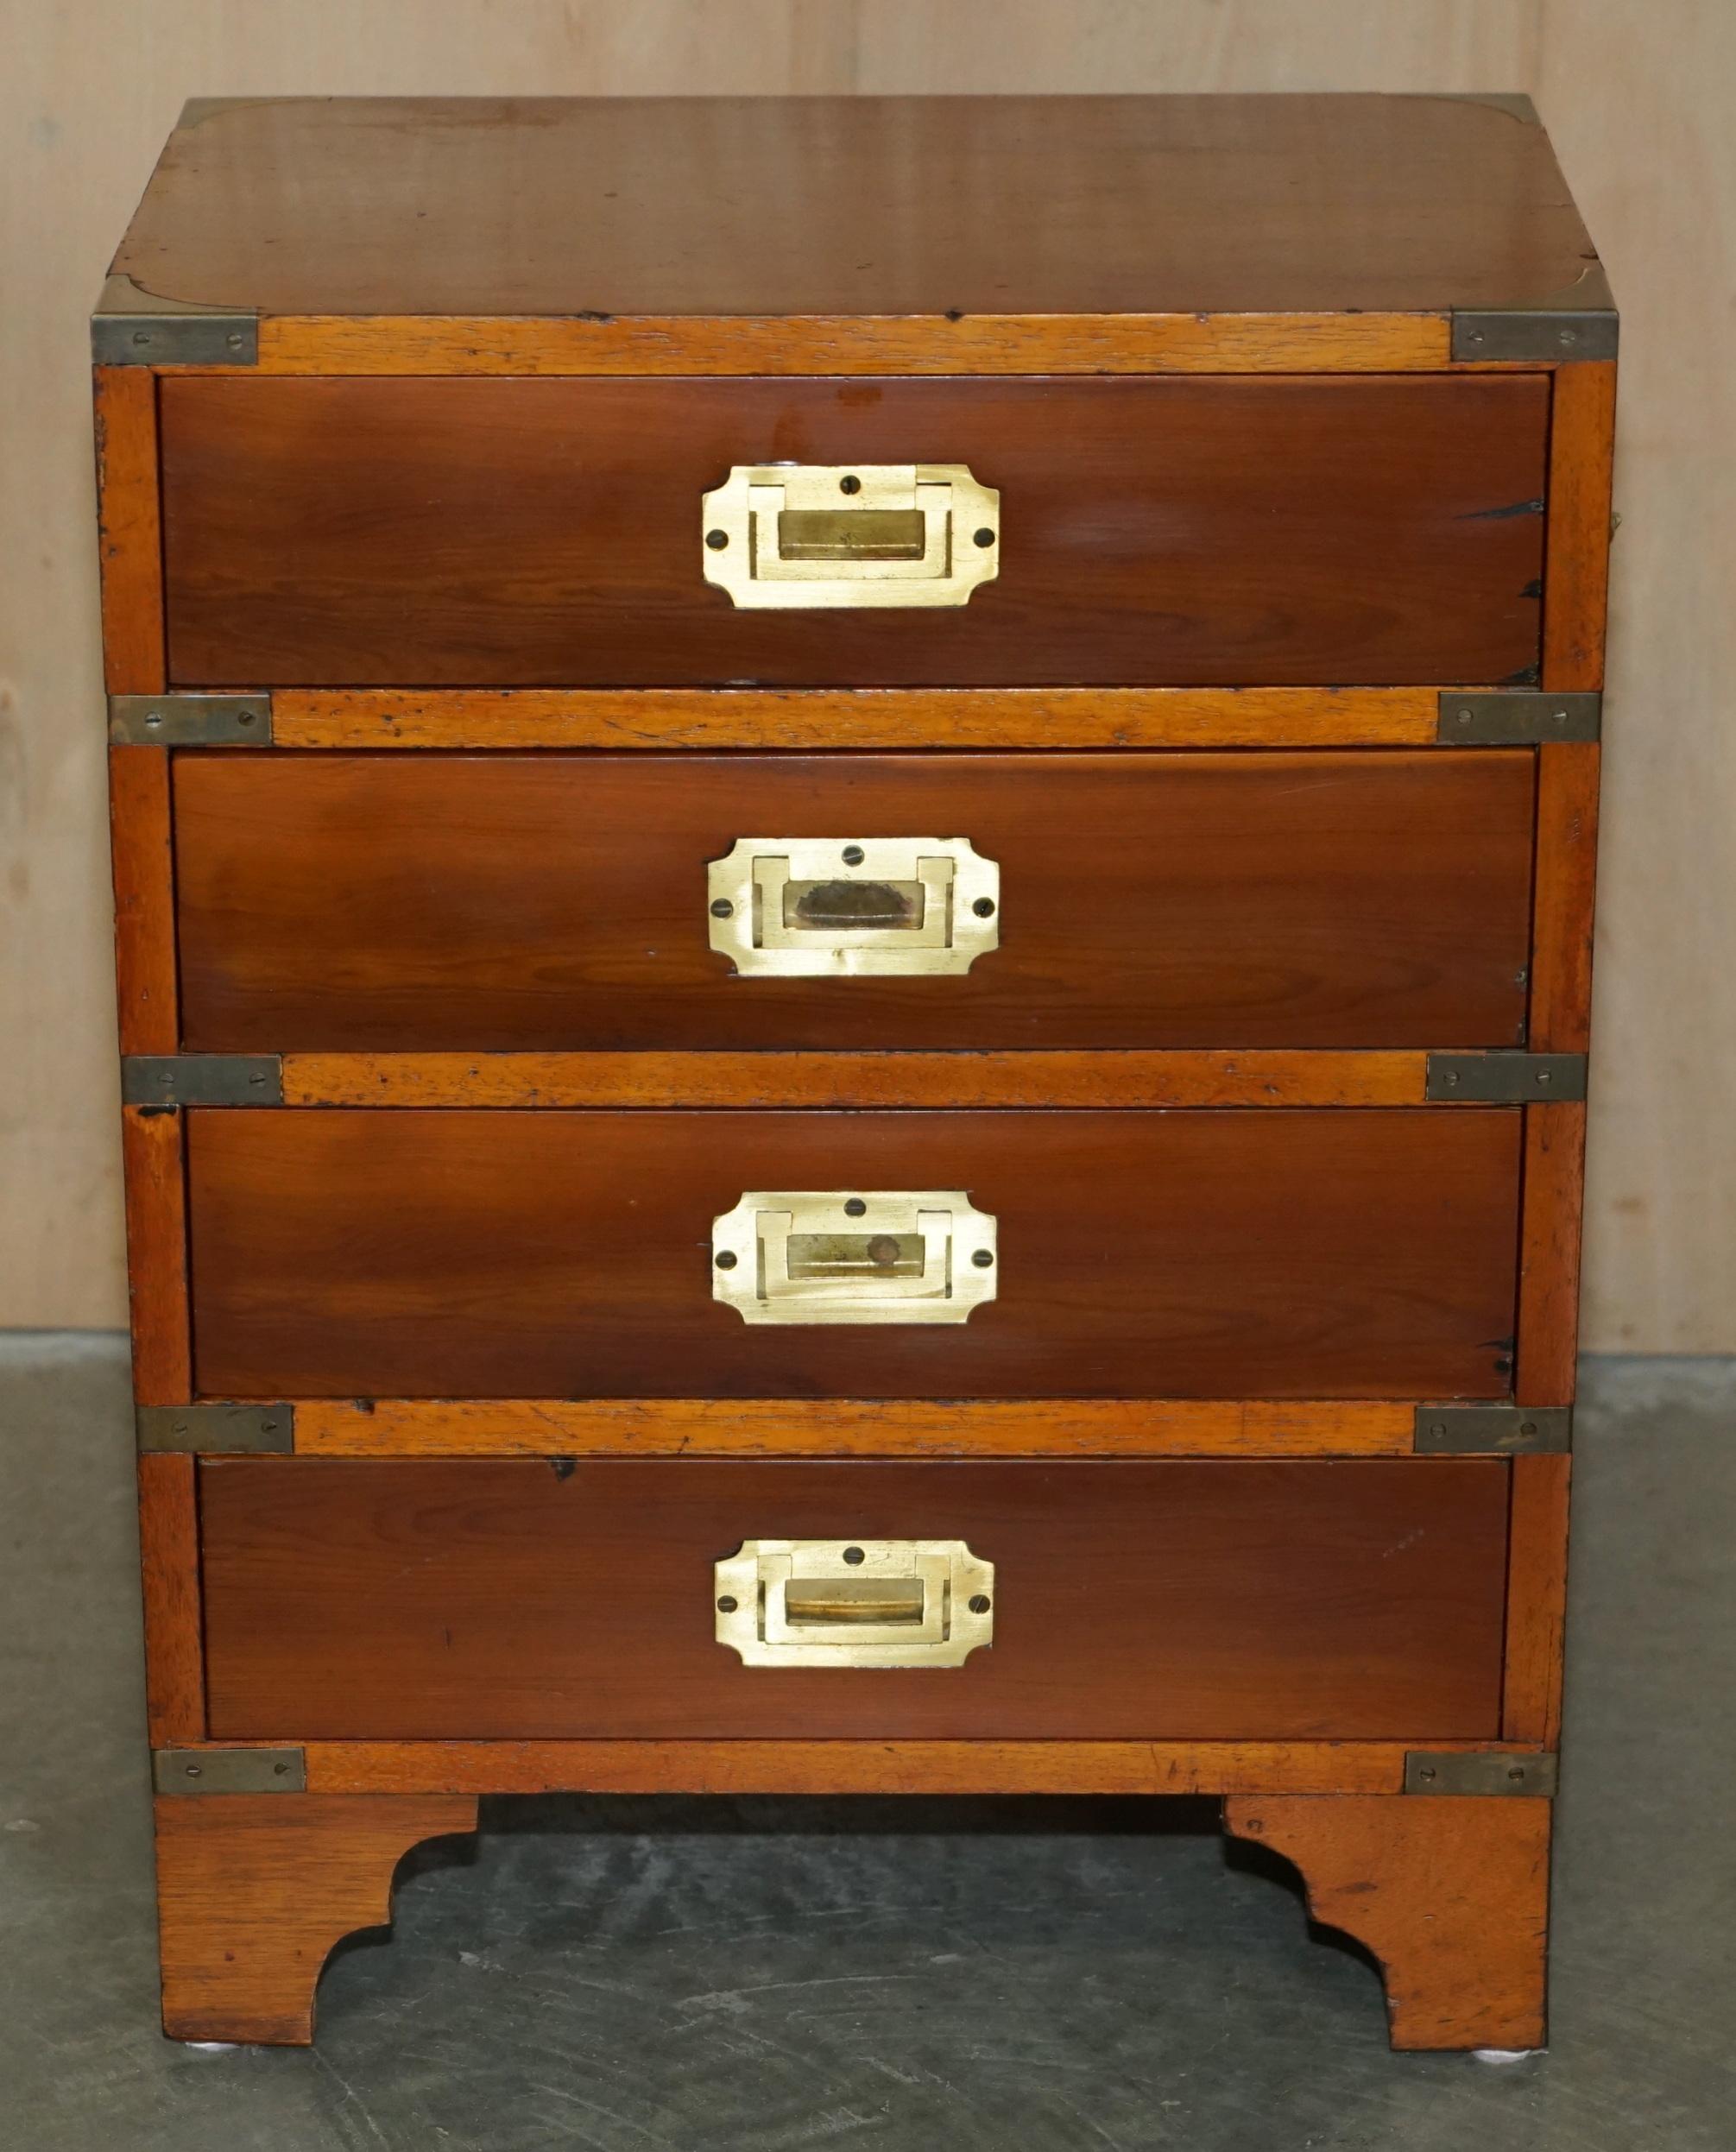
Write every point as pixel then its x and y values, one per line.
pixel 828 534
pixel 834 1256
pixel 853 1602
pixel 848 908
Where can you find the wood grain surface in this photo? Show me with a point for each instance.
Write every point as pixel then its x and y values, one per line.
pixel 845 718
pixel 722 206
pixel 1256 1600
pixel 1550 1207
pixel 154 1156
pixel 174 1639
pixel 255 1890
pixel 1223 531
pixel 500 902
pixel 130 527
pixel 1582 465
pixel 141 844
pixel 1450 1894
pixel 551 1253
pixel 771 1427
pixel 1536 1599
pixel 854 1767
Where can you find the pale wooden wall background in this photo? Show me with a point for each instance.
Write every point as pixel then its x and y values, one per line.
pixel 1639 95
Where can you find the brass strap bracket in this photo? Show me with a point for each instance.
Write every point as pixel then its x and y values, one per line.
pixel 229 1770
pixel 1483 1772
pixel 201 1080
pixel 1504 1430
pixel 133 327
pixel 1503 1079
pixel 1541 335
pixel 190 721
pixel 1516 717
pixel 216 1429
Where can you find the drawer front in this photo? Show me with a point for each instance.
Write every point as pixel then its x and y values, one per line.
pixel 475 902
pixel 1190 531
pixel 569 1254
pixel 1214 1601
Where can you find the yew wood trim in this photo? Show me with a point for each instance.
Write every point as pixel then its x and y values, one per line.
pixel 1566 875
pixel 940 1078
pixel 140 817
pixel 153 1154
pixel 130 523
pixel 842 1766
pixel 1551 1207
pixel 855 718
pixel 1450 1894
pixel 1340 343
pixel 1576 570
pixel 781 1427
pixel 1537 1599
pixel 255 1890
pixel 169 1568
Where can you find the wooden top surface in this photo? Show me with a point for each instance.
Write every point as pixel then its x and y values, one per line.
pixel 829 206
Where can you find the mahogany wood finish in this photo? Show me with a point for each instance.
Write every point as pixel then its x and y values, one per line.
pixel 489 902
pixel 255 1890
pixel 849 1767
pixel 524 532
pixel 857 208
pixel 1550 1255
pixel 770 1427
pixel 858 718
pixel 1567 784
pixel 1581 466
pixel 510 1598
pixel 1450 1894
pixel 1536 1599
pixel 130 525
pixel 144 847
pixel 174 1636
pixel 500 1253
pixel 153 1154
pixel 1027 1076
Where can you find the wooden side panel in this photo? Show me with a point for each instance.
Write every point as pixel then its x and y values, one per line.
pixel 142 843
pixel 1581 459
pixel 174 1642
pixel 153 1158
pixel 1536 1599
pixel 255 1890
pixel 130 525
pixel 1170 1600
pixel 502 902
pixel 1451 1895
pixel 1550 1255
pixel 503 1253
pixel 1233 530
pixel 1567 873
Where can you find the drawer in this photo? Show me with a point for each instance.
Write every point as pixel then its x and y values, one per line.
pixel 553 1254
pixel 562 901
pixel 1228 1600
pixel 1261 530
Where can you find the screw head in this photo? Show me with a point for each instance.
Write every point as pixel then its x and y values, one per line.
pixel 726 1605
pixel 853 855
pixel 856 1208
pixel 723 909
pixel 855 1556
pixel 984 907
pixel 726 1259
pixel 983 1258
pixel 980 1602
pixel 985 537
pixel 851 484
pixel 716 541
pixel 234 340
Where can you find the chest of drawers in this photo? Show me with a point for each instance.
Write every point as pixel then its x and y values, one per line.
pixel 852 850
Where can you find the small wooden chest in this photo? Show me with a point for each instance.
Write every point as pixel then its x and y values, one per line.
pixel 853 848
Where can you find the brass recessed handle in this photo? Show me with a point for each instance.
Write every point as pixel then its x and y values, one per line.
pixel 834 1256
pixel 831 534
pixel 853 907
pixel 853 1602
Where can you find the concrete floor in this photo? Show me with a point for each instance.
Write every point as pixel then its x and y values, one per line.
pixel 750 1976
